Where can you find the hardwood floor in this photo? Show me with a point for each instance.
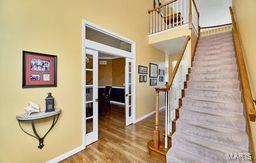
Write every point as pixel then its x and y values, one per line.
pixel 118 143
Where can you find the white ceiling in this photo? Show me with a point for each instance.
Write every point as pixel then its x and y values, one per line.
pixel 171 47
pixel 213 12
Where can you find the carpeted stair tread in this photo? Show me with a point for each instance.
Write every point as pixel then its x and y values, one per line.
pixel 214 77
pixel 233 121
pixel 218 96
pixel 234 139
pixel 200 85
pixel 209 106
pixel 224 69
pixel 211 152
pixel 177 155
pixel 211 121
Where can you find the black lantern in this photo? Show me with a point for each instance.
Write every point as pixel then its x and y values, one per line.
pixel 49 102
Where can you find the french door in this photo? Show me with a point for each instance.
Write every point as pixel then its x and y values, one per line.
pixel 129 87
pixel 91 96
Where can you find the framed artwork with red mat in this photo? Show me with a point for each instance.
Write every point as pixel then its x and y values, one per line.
pixel 39 70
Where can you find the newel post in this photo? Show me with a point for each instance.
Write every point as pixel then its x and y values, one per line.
pixel 156 131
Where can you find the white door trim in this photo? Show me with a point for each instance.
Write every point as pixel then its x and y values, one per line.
pixel 92 136
pixel 87 44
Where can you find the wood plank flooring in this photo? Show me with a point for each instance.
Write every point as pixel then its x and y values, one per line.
pixel 118 143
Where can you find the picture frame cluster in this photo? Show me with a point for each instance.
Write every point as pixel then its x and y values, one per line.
pixel 155 74
pixel 143 72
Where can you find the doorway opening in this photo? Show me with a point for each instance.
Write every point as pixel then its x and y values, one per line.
pixel 107 92
pixel 111 91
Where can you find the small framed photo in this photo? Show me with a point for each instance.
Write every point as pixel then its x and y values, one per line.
pixel 153 70
pixel 142 69
pixel 161 72
pixel 142 78
pixel 39 70
pixel 161 78
pixel 145 78
pixel 153 81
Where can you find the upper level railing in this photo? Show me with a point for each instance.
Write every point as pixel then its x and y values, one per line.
pixel 172 14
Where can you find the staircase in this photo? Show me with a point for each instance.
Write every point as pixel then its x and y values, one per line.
pixel 211 123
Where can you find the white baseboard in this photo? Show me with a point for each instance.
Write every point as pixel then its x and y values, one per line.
pixel 66 155
pixel 148 115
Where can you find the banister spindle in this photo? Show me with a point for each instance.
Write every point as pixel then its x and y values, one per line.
pixel 156 131
pixel 166 120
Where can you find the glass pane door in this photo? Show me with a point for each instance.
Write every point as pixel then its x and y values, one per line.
pixel 129 84
pixel 91 96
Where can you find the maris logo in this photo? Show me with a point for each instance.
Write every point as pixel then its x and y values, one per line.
pixel 239 156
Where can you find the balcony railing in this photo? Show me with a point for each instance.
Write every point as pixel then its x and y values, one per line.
pixel 172 14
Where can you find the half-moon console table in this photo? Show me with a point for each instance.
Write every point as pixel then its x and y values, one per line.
pixel 38 116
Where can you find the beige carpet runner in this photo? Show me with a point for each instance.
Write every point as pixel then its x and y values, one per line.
pixel 211 125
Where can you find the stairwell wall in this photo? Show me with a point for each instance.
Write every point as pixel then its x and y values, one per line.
pixel 245 15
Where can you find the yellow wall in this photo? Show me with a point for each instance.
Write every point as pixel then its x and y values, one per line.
pixel 118 72
pixel 245 15
pixel 172 58
pixel 55 27
pixel 105 73
pixel 112 73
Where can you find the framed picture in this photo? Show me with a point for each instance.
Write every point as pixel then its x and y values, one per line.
pixel 153 70
pixel 142 69
pixel 161 78
pixel 145 78
pixel 161 72
pixel 153 81
pixel 39 70
pixel 142 78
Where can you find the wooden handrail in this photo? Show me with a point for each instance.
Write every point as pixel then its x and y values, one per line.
pixel 246 90
pixel 159 7
pixel 216 26
pixel 169 84
pixel 173 74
